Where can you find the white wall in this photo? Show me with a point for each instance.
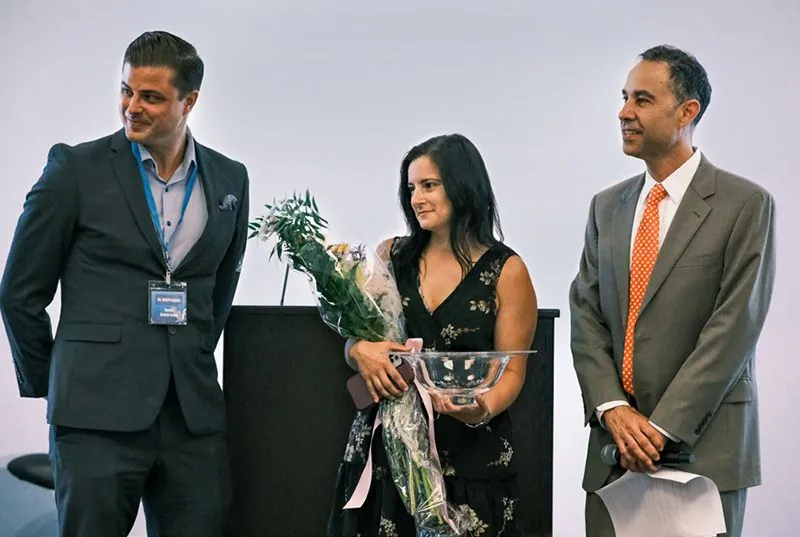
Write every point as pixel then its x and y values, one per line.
pixel 330 95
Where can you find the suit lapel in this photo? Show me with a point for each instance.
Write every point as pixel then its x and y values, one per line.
pixel 209 177
pixel 690 215
pixel 621 241
pixel 124 164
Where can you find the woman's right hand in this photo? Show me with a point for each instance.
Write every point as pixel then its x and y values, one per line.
pixel 382 378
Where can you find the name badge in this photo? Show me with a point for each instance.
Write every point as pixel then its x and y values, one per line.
pixel 168 303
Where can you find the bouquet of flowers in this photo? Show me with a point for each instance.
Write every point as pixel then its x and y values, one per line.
pixel 357 297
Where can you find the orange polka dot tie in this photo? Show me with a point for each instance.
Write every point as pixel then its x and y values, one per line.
pixel 645 251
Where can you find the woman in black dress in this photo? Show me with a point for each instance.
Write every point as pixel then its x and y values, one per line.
pixel 462 290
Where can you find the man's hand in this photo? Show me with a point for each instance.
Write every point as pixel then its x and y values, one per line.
pixel 638 442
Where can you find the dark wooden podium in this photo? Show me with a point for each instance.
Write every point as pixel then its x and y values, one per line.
pixel 289 415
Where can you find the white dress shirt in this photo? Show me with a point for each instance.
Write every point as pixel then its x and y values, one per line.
pixel 675 185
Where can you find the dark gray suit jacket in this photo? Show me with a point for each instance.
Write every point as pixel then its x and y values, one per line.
pixel 695 338
pixel 86 224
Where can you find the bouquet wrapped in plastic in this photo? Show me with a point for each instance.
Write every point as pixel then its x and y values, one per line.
pixel 357 296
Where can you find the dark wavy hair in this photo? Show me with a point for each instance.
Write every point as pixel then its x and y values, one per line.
pixel 688 78
pixel 163 49
pixel 466 182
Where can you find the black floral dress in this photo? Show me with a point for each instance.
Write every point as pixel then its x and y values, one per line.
pixel 478 463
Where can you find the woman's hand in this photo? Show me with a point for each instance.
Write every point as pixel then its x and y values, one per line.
pixel 470 414
pixel 382 378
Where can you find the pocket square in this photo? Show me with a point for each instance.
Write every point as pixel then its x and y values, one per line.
pixel 228 203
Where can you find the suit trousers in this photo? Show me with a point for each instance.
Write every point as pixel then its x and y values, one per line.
pixel 183 480
pixel 598 521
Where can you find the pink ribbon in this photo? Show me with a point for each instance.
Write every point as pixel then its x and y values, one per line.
pixel 362 487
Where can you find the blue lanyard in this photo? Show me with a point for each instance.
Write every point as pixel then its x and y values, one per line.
pixel 151 202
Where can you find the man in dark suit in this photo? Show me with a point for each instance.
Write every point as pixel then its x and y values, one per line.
pixel 674 285
pixel 145 230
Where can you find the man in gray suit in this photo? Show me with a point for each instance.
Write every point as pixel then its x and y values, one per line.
pixel 673 287
pixel 145 230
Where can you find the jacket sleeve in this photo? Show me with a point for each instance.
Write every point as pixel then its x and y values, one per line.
pixel 39 250
pixel 591 343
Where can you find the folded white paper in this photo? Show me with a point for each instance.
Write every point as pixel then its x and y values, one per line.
pixel 667 503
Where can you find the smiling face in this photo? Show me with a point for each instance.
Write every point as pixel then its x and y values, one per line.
pixel 151 107
pixel 651 118
pixel 429 200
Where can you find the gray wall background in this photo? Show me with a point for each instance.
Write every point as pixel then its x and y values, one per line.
pixel 330 95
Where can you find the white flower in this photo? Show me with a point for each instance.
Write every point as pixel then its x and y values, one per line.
pixel 268 223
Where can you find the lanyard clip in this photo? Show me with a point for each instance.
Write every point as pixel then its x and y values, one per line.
pixel 169 277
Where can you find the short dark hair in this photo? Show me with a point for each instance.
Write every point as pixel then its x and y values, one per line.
pixel 466 183
pixel 163 49
pixel 688 77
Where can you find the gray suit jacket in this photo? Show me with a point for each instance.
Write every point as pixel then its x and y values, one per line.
pixel 698 325
pixel 86 225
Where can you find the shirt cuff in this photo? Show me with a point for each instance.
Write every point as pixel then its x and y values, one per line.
pixel 665 433
pixel 608 406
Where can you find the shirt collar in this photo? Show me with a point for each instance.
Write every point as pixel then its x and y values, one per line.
pixel 678 181
pixel 182 172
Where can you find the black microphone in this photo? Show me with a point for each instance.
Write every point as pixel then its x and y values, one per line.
pixel 610 456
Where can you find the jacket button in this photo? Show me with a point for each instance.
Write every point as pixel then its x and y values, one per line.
pixel 172 330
